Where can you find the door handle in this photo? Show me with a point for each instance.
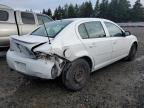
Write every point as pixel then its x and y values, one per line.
pixel 92 45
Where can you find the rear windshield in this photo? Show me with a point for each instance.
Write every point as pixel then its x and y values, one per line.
pixel 52 28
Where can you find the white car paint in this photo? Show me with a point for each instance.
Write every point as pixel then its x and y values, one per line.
pixel 67 46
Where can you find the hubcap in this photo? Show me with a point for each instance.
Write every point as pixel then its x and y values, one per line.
pixel 79 74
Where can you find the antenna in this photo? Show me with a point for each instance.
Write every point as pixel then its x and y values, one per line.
pixel 46 31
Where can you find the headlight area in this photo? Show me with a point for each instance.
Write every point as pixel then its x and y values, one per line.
pixel 58 61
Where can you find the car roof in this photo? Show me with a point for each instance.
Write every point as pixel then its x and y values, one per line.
pixel 5 7
pixel 87 19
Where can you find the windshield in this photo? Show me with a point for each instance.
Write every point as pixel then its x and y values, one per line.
pixel 53 28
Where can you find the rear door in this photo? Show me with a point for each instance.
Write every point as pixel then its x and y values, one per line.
pixel 96 42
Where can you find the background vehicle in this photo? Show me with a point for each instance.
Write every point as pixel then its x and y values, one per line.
pixel 17 23
pixel 72 48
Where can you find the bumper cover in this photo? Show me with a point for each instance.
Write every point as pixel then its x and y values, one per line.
pixel 32 67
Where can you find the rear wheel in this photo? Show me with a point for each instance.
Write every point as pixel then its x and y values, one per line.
pixel 76 75
pixel 132 53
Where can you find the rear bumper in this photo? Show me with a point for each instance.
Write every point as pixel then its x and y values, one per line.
pixel 32 67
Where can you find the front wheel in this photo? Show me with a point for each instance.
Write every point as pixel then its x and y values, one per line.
pixel 132 53
pixel 76 75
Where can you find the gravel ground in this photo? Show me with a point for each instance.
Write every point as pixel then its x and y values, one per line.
pixel 119 85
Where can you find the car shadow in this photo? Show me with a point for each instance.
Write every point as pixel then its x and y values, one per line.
pixel 108 67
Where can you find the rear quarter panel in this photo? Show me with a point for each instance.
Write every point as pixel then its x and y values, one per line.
pixel 69 41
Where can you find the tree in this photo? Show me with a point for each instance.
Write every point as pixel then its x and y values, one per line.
pixel 60 12
pixel 56 15
pixel 138 11
pixel 89 9
pixel 76 10
pixel 82 10
pixel 124 10
pixel 65 9
pixel 49 12
pixel 71 11
pixel 115 10
pixel 104 9
pixel 119 10
pixel 44 11
pixel 86 10
pixel 97 9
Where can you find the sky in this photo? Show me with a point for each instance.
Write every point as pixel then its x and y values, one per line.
pixel 38 5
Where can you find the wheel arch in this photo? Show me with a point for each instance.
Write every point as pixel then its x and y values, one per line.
pixel 135 43
pixel 89 60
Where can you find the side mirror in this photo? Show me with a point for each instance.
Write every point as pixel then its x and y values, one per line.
pixel 127 33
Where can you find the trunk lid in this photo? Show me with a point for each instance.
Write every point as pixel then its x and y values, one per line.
pixel 31 39
pixel 24 44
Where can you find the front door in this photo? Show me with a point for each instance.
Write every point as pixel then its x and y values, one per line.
pixel 119 41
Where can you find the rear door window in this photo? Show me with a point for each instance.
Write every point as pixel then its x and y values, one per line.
pixel 95 29
pixel 82 31
pixel 92 29
pixel 27 18
pixel 4 15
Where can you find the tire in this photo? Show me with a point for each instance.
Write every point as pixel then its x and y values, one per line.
pixel 132 53
pixel 76 75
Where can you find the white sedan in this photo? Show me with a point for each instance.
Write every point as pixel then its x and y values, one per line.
pixel 70 48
